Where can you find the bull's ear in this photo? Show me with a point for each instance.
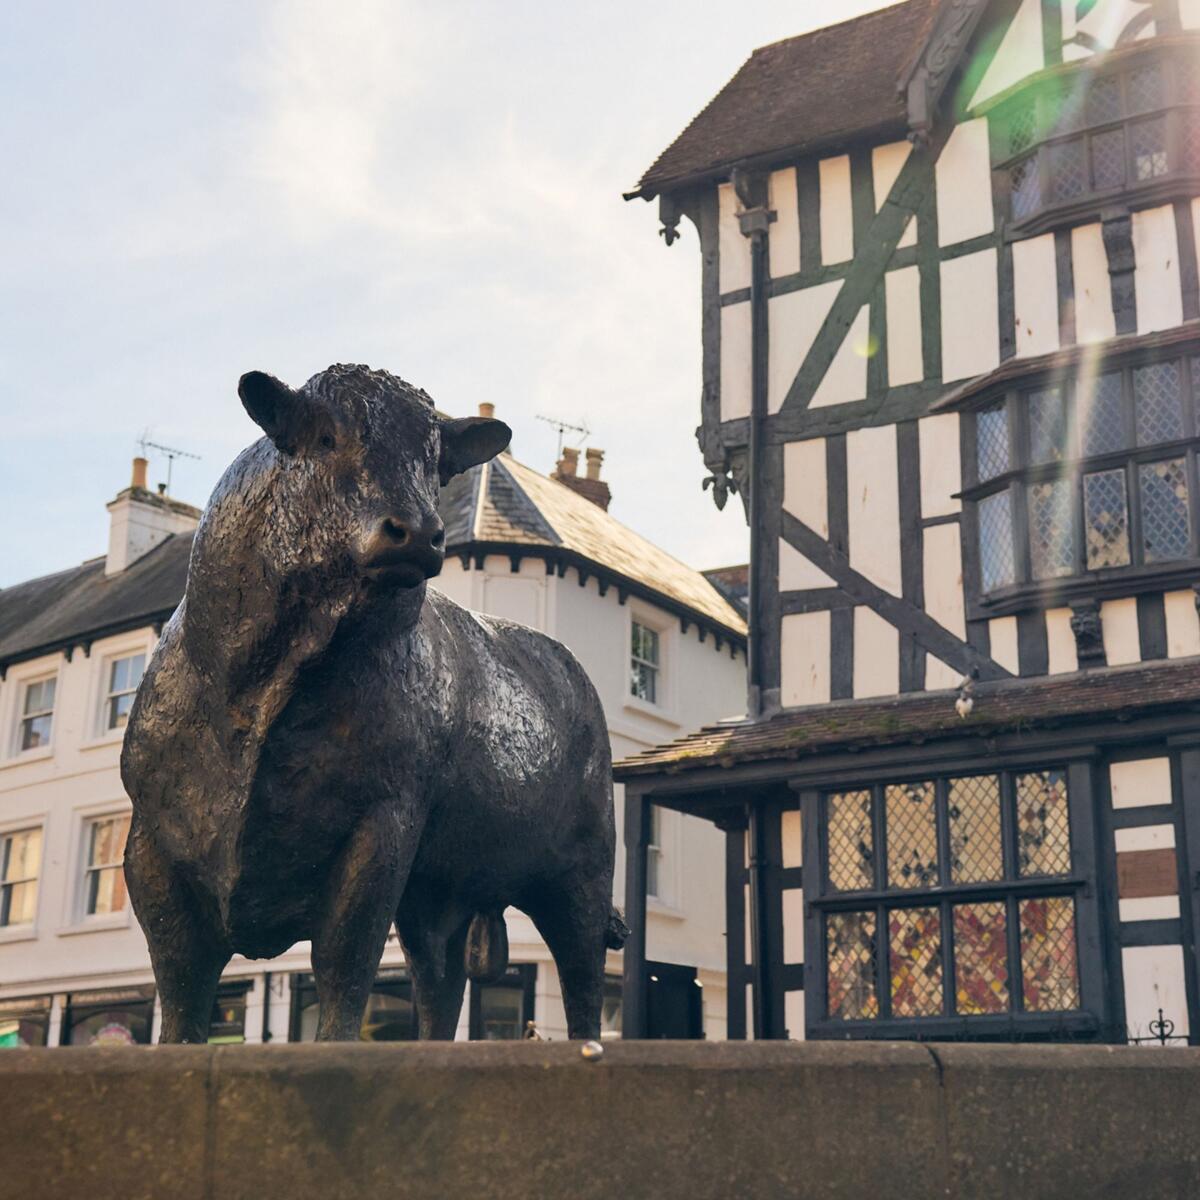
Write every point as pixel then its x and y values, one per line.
pixel 275 408
pixel 468 441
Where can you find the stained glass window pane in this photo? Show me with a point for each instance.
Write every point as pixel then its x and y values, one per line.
pixel 991 436
pixel 1166 527
pixel 996 541
pixel 851 864
pixel 1051 530
pixel 1108 159
pixel 1101 419
pixel 976 848
pixel 1149 140
pixel 1026 189
pixel 915 950
pixel 1103 100
pixel 912 848
pixel 980 958
pixel 1049 962
pixel 1157 398
pixel 1146 89
pixel 1106 515
pixel 1022 129
pixel 1043 824
pixel 1047 426
pixel 1068 170
pixel 850 966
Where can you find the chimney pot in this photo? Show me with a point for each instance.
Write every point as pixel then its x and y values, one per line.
pixel 139 473
pixel 569 463
pixel 594 459
pixel 162 489
pixel 487 409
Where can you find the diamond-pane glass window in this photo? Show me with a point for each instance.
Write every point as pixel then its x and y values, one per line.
pixel 1051 531
pixel 851 852
pixel 976 847
pixel 1068 170
pixel 1026 188
pixel 915 961
pixel 850 966
pixel 1166 526
pixel 1103 100
pixel 1146 91
pixel 1108 159
pixel 1047 426
pixel 1022 129
pixel 1149 149
pixel 1106 517
pixel 1156 394
pixel 991 438
pixel 1043 824
pixel 1101 414
pixel 981 958
pixel 1191 140
pixel 912 842
pixel 996 562
pixel 1049 960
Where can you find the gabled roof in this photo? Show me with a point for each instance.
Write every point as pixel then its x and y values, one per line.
pixel 820 90
pixel 856 725
pixel 504 503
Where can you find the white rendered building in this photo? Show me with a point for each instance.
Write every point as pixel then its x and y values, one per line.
pixel 664 647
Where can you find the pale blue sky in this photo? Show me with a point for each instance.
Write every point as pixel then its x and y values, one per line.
pixel 195 190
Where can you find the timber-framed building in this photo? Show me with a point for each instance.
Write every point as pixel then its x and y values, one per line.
pixel 951 365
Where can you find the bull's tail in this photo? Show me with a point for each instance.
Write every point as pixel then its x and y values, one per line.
pixel 617 931
pixel 487 947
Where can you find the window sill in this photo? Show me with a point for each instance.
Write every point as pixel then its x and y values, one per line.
pixel 97 924
pixel 660 908
pixel 988 1027
pixel 113 738
pixel 18 933
pixel 656 711
pixel 21 758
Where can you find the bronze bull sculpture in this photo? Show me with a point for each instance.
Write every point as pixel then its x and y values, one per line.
pixel 321 746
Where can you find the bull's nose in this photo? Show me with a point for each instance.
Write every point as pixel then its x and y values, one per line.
pixel 402 534
pixel 406 549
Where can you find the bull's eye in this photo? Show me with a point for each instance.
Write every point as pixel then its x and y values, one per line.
pixel 327 442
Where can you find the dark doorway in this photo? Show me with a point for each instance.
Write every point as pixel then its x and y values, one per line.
pixel 675 1002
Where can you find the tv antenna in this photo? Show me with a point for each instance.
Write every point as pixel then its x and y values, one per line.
pixel 172 453
pixel 562 427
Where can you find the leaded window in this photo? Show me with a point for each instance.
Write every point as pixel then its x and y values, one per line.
pixel 1090 473
pixel 971 910
pixel 1079 141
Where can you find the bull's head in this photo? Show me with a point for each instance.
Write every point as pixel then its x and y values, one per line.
pixel 366 452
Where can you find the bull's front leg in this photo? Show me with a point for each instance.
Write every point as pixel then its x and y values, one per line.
pixel 362 894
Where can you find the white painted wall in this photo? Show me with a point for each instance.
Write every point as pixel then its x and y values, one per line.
pixel 970 316
pixel 736 361
pixel 1094 319
pixel 1183 624
pixel 902 291
pixel 784 234
pixel 964 184
pixel 876 655
pixel 837 212
pixel 733 249
pixel 805 659
pixel 1035 294
pixel 793 322
pixel 1140 783
pixel 1118 619
pixel 1156 275
pixel 941 469
pixel 886 164
pixel 874 505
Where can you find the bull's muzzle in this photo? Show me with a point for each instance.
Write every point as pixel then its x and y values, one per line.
pixel 406 551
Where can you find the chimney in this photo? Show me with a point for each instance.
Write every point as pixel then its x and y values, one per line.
pixel 487 409
pixel 591 487
pixel 139 520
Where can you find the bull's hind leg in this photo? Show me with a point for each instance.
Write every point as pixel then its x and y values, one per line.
pixel 573 918
pixel 187 953
pixel 434 937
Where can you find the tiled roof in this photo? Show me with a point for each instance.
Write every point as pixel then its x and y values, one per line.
pixel 1007 705
pixel 820 90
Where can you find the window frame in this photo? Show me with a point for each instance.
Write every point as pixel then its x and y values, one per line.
pixel 1085 1023
pixel 664 706
pixel 113 916
pixel 23 684
pixel 1083 582
pixel 13 930
pixel 107 695
pixel 652 666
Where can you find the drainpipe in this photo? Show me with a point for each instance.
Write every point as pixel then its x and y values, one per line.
pixel 754 221
pixel 266 1025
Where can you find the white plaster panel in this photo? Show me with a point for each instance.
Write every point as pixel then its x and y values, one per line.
pixel 1094 319
pixel 902 289
pixel 733 249
pixel 1035 294
pixel 1183 624
pixel 837 211
pixel 1148 908
pixel 1060 642
pixel 1189 13
pixel 804 650
pixel 736 361
pixel 964 184
pixel 1118 618
pixel 970 316
pixel 793 322
pixel 943 578
pixel 792 838
pixel 1156 276
pixel 1154 980
pixel 805 492
pixel 1002 633
pixel 1020 53
pixel 941 470
pixel 784 233
pixel 846 379
pixel 793 925
pixel 1145 837
pixel 940 676
pixel 874 505
pixel 797 572
pixel 876 655
pixel 1140 783
pixel 793 1015
pixel 750 1007
pixel 886 165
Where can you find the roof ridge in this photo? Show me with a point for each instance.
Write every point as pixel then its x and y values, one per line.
pixel 840 26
